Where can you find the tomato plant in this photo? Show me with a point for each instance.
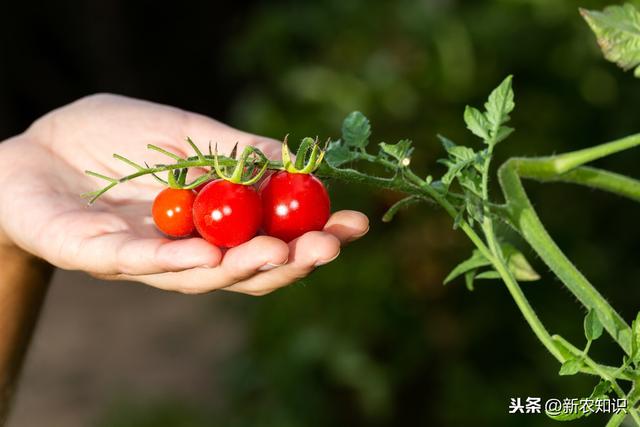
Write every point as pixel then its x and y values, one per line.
pixel 463 192
pixel 172 212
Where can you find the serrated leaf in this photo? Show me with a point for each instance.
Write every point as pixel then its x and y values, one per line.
pixel 338 154
pixel 460 157
pixel 356 130
pixel 617 30
pixel 476 122
pixel 592 326
pixel 462 153
pixel 475 261
pixel 399 151
pixel 490 274
pixel 446 142
pixel 499 104
pixel 473 183
pixel 570 367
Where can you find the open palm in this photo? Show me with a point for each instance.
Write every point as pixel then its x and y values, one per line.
pixel 41 211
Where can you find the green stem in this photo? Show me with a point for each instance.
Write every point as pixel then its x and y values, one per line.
pixel 632 398
pixel 500 265
pixel 565 162
pixel 605 374
pixel 527 222
pixel 541 170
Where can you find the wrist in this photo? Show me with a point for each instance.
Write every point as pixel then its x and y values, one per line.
pixel 9 250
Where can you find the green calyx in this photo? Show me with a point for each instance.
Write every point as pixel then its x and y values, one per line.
pixel 244 171
pixel 308 147
pixel 177 178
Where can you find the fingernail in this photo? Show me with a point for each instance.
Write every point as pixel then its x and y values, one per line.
pixel 357 236
pixel 323 262
pixel 270 266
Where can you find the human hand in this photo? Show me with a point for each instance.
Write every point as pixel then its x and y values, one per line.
pixel 42 213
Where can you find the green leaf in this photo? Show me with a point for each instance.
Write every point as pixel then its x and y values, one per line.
pixel 489 274
pixel 499 105
pixel 635 339
pixel 401 151
pixel 476 122
pixel 475 261
pixel 468 279
pixel 599 392
pixel 503 133
pixel 518 264
pixel 446 142
pixel 473 203
pixel 473 183
pixel 570 367
pixel 460 158
pixel 356 130
pixel 338 154
pixel 592 326
pixel 617 29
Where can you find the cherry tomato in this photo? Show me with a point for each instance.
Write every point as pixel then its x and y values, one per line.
pixel 292 204
pixel 227 214
pixel 201 186
pixel 172 212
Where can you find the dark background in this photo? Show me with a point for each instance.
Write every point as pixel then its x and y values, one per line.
pixel 373 339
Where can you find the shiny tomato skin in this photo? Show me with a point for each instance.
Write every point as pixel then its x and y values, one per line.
pixel 293 204
pixel 227 214
pixel 172 212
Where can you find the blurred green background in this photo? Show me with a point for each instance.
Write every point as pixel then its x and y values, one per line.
pixel 374 338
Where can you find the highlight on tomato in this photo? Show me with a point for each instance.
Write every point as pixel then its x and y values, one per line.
pixel 294 201
pixel 172 212
pixel 227 211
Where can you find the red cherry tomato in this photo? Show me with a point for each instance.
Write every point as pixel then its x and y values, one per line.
pixel 172 212
pixel 201 186
pixel 227 214
pixel 292 204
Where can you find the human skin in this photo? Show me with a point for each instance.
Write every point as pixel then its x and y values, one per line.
pixel 45 224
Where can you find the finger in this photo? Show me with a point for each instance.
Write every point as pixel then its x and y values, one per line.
pixel 128 254
pixel 347 225
pixel 261 253
pixel 239 263
pixel 103 243
pixel 305 254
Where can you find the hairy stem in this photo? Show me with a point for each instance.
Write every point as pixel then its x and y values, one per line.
pixel 526 220
pixel 500 265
